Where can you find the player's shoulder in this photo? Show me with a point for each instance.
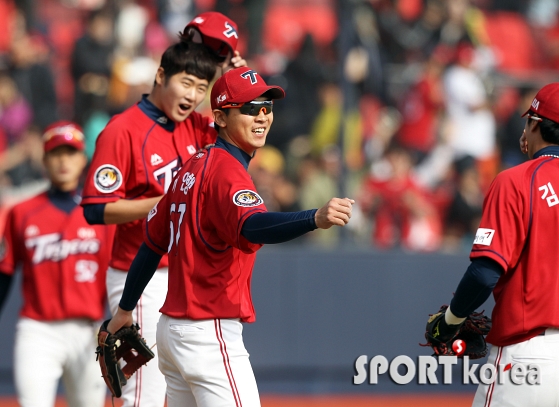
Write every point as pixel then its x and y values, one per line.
pixel 213 162
pixel 222 157
pixel 127 123
pixel 522 170
pixel 519 176
pixel 28 205
pixel 224 169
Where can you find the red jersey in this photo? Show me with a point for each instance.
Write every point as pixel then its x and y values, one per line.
pixel 198 222
pixel 64 260
pixel 518 230
pixel 419 109
pixel 136 156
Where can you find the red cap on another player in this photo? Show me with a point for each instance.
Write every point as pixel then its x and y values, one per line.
pixel 63 133
pixel 242 85
pixel 546 103
pixel 216 30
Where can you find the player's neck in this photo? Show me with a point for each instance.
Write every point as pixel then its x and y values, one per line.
pixel 65 186
pixel 223 134
pixel 155 99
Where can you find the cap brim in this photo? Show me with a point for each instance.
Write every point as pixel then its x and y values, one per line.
pixel 275 92
pixel 526 112
pixel 49 146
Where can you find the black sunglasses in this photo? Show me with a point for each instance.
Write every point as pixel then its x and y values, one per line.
pixel 252 108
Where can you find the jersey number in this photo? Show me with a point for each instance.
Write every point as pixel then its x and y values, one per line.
pixel 175 237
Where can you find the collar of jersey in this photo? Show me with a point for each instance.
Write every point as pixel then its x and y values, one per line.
pixel 155 114
pixel 235 151
pixel 549 150
pixel 63 200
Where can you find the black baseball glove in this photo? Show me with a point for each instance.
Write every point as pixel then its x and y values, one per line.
pixel 127 344
pixel 441 336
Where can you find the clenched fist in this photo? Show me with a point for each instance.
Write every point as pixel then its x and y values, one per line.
pixel 336 212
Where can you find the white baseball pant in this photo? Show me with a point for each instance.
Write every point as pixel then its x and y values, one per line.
pixel 205 363
pixel 146 388
pixel 541 350
pixel 47 351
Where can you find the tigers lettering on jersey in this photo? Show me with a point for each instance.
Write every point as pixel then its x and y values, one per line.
pixel 52 247
pixel 63 260
pixel 165 174
pixel 147 153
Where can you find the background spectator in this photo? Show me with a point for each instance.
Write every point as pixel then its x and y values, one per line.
pixel 438 78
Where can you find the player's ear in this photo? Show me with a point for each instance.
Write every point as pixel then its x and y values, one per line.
pixel 160 76
pixel 219 117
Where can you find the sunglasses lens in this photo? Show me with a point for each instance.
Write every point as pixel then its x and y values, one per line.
pixel 253 109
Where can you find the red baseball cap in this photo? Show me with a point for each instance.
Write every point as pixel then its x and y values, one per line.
pixel 215 30
pixel 241 85
pixel 63 133
pixel 546 103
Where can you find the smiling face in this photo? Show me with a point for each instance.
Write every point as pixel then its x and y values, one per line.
pixel 242 130
pixel 178 95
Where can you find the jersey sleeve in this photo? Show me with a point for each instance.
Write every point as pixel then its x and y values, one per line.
pixel 109 168
pixel 503 229
pixel 232 199
pixel 156 227
pixel 9 256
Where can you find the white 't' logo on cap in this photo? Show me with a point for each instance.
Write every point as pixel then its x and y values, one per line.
pixel 535 104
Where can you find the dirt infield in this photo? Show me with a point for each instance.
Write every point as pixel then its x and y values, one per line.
pixel 423 400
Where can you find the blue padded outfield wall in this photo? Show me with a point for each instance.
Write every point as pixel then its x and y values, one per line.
pixel 317 311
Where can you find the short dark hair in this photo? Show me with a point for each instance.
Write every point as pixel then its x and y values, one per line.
pixel 549 131
pixel 194 59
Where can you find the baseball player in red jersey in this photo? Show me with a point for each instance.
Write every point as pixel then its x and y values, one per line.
pixel 515 256
pixel 135 158
pixel 64 263
pixel 211 222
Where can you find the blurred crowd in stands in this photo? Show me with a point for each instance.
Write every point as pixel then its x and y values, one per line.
pixel 409 106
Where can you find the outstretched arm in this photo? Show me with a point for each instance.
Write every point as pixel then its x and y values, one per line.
pixel 279 227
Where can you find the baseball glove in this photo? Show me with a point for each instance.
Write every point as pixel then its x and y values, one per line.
pixel 127 344
pixel 441 336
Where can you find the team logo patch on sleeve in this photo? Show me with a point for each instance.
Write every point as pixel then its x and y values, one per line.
pixel 247 198
pixel 107 178
pixel 484 236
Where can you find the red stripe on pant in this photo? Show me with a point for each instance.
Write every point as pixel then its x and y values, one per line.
pixel 489 394
pixel 226 364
